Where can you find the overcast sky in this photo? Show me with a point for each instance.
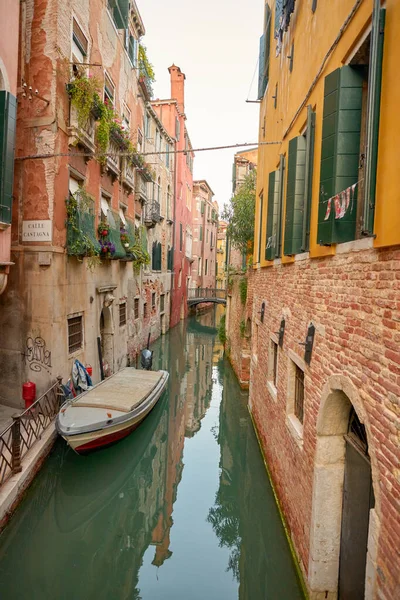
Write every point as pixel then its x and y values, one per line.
pixel 215 43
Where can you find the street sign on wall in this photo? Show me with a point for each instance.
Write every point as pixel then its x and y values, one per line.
pixel 37 231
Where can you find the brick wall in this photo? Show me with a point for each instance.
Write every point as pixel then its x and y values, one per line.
pixel 353 299
pixel 238 315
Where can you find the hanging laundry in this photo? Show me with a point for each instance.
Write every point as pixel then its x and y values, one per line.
pixel 336 201
pixel 328 210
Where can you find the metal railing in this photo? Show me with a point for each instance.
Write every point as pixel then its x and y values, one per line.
pixel 194 293
pixel 28 427
pixel 152 213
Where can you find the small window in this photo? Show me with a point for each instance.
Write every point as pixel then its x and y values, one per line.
pixel 79 44
pixel 299 394
pixel 139 140
pixel 105 207
pixel 162 303
pixel 75 334
pixel 109 90
pixel 126 118
pixel 206 268
pixel 122 314
pixel 136 308
pixel 153 300
pixel 144 310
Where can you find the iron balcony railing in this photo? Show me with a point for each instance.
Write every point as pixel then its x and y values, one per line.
pixel 19 437
pixel 152 214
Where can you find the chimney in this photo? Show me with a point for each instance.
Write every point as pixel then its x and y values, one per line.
pixel 178 86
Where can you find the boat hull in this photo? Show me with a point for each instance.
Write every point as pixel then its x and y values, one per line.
pixel 88 438
pixel 93 440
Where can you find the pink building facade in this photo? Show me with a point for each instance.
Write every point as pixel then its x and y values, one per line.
pixel 171 113
pixel 205 227
pixel 9 36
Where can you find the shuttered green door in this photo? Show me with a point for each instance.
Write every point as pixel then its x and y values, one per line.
pixel 340 151
pixel 8 111
pixel 295 196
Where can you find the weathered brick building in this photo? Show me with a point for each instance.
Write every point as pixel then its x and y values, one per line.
pixel 8 106
pixel 325 358
pixel 81 185
pixel 205 226
pixel 171 113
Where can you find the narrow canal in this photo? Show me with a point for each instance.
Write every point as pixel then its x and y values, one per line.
pixel 180 510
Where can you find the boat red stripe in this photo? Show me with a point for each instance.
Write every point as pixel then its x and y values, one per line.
pixel 105 440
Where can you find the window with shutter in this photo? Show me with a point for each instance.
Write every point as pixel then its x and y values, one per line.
pixel 274 212
pixel 295 196
pixel 263 62
pixel 260 221
pixel 120 12
pixel 340 151
pixel 8 112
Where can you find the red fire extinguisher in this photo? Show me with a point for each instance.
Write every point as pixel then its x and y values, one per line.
pixel 29 393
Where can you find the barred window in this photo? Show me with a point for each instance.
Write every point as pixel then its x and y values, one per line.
pixel 145 310
pixel 299 394
pixel 162 303
pixel 75 334
pixel 122 314
pixel 153 300
pixel 136 308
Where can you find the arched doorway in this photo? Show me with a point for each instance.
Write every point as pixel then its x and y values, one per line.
pixel 107 340
pixel 344 517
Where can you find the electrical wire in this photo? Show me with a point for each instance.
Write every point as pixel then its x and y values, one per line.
pixel 156 153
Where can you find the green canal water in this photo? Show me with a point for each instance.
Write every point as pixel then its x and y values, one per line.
pixel 180 510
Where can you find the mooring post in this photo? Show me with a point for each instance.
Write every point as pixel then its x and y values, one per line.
pixel 16 445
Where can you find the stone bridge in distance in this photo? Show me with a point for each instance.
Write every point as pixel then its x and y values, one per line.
pixel 200 295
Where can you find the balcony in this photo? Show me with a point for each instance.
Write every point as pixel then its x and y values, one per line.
pixel 141 190
pixel 145 81
pixel 128 174
pixel 81 134
pixel 113 160
pixel 152 214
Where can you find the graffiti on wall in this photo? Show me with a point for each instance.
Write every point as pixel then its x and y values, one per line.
pixel 37 355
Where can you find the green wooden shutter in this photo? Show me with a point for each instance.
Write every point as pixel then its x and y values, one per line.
pixel 295 196
pixel 201 233
pixel 269 247
pixel 340 151
pixel 263 61
pixel 374 106
pixel 159 256
pixel 8 111
pixel 121 14
pixel 277 231
pixel 260 221
pixel 309 166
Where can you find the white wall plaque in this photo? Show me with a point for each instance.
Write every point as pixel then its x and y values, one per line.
pixel 37 231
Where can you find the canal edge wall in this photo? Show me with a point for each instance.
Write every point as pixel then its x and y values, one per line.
pixel 297 562
pixel 12 492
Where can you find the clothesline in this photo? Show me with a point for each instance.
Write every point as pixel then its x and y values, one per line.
pixel 342 202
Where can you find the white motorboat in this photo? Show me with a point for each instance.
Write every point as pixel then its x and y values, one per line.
pixel 110 410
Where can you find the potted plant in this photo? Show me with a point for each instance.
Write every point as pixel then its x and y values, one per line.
pixel 103 229
pixel 124 238
pixel 107 249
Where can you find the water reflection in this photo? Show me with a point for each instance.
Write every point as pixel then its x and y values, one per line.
pixel 102 526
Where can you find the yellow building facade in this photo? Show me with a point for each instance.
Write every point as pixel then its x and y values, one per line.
pixel 321 42
pixel 325 288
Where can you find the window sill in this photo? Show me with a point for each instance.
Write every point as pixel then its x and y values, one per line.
pixel 295 428
pixel 273 392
